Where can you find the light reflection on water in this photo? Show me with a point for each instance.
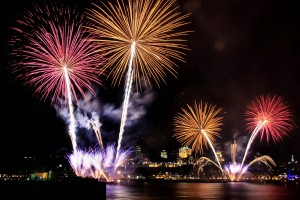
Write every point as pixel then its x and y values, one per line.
pixel 192 191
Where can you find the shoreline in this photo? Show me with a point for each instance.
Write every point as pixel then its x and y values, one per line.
pixel 134 181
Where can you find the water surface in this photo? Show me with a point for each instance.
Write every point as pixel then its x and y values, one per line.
pixel 207 191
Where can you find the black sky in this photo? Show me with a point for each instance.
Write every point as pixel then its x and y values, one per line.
pixel 239 49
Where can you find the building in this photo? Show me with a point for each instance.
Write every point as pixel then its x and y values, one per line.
pixel 293 169
pixel 185 152
pixel 138 148
pixel 164 154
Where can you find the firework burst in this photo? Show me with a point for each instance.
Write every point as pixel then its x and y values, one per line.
pixel 148 24
pixel 190 124
pixel 274 112
pixel 50 43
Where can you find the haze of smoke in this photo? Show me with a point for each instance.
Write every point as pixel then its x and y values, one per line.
pixel 136 110
pixel 89 108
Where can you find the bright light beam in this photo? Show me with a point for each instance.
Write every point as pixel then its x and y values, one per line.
pixel 253 136
pixel 129 81
pixel 71 110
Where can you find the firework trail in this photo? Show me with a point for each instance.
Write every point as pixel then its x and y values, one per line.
pixel 96 127
pixel 198 126
pixel 138 37
pixel 87 117
pixel 71 111
pixel 126 99
pixel 56 56
pixel 204 161
pixel 270 116
pixel 253 135
pixel 267 160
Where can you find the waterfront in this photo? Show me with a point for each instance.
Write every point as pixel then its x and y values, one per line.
pixel 199 191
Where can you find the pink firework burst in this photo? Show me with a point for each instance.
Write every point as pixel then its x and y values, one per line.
pixel 271 115
pixel 51 44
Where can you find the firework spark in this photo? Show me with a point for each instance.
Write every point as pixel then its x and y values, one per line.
pixel 270 116
pixel 56 56
pixel 97 163
pixel 138 39
pixel 198 127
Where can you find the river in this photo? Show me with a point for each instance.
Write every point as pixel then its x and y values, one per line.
pixel 193 191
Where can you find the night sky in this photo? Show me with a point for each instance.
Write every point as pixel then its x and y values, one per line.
pixel 238 50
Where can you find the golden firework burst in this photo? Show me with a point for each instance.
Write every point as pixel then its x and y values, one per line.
pixel 151 26
pixel 197 126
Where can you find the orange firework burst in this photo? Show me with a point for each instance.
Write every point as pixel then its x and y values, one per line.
pixel 149 25
pixel 198 126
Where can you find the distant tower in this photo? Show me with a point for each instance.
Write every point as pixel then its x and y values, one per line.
pixel 233 152
pixel 138 148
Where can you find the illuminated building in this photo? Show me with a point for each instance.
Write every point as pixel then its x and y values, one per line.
pixel 293 169
pixel 185 152
pixel 164 154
